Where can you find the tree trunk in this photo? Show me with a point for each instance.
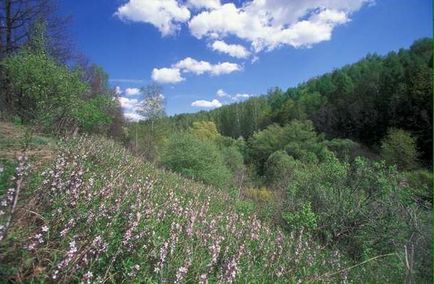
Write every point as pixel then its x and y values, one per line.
pixel 8 4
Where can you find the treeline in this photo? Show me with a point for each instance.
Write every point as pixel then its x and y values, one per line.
pixel 360 101
pixel 44 83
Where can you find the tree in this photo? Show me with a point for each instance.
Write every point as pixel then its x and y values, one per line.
pixel 195 158
pixel 153 105
pixel 399 148
pixel 17 19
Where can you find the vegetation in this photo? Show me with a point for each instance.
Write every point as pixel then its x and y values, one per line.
pixel 326 182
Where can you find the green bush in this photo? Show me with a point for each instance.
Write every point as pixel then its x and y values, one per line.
pixel 362 209
pixel 399 148
pixel 304 218
pixel 195 158
pixel 298 138
pixel 278 167
pixel 41 90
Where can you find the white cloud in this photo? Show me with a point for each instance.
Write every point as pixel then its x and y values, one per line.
pixel 207 104
pixel 132 116
pixel 267 24
pixel 199 67
pixel 241 96
pixel 263 24
pixel 237 97
pixel 167 75
pixel 165 15
pixel 191 65
pixel 132 91
pixel 130 104
pixel 221 93
pixel 206 4
pixel 118 90
pixel 234 50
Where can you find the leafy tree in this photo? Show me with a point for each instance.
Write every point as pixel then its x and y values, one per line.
pixel 297 138
pixel 205 130
pixel 39 89
pixel 195 158
pixel 278 168
pixel 153 105
pixel 399 148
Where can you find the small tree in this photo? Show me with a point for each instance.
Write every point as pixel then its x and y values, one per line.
pixel 399 148
pixel 153 105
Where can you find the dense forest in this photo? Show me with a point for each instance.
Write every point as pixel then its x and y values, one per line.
pixel 329 181
pixel 360 102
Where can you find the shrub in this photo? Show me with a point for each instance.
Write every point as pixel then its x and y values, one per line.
pixel 304 218
pixel 42 90
pixel 362 209
pixel 260 195
pixel 298 138
pixel 399 148
pixel 195 158
pixel 278 167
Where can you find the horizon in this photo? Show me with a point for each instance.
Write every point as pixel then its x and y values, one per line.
pixel 204 68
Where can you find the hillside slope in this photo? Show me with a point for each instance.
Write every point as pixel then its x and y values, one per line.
pixel 96 213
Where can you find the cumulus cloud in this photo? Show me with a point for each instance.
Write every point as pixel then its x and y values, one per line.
pixel 221 93
pixel 204 4
pixel 118 90
pixel 167 75
pixel 268 24
pixel 132 116
pixel 235 50
pixel 128 104
pixel 207 104
pixel 237 97
pixel 132 91
pixel 165 15
pixel 199 67
pixel 263 24
pixel 241 96
pixel 191 65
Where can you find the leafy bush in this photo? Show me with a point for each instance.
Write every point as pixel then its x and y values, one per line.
pixel 260 195
pixel 278 168
pixel 39 89
pixel 399 148
pixel 305 218
pixel 93 115
pixel 297 138
pixel 195 158
pixel 363 209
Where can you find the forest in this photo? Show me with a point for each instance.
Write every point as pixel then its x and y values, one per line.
pixel 328 181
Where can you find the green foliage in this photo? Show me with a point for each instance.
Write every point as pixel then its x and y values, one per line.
pixel 195 158
pixel 41 90
pixel 205 130
pixel 278 167
pixel 359 102
pixel 259 194
pixel 297 138
pixel 305 218
pixel 344 149
pixel 93 114
pixel 399 148
pixel 360 207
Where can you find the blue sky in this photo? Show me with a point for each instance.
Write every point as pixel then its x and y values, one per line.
pixel 206 53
